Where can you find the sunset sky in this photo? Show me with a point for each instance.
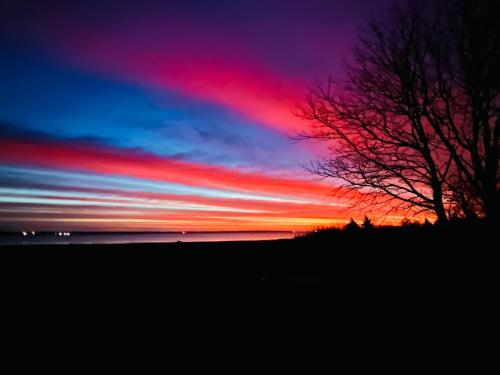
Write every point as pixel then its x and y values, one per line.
pixel 166 115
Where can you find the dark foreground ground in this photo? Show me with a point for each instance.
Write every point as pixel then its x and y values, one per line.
pixel 392 292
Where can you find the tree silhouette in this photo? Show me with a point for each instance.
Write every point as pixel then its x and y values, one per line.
pixel 417 120
pixel 352 226
pixel 367 223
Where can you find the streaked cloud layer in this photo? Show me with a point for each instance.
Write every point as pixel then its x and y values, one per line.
pixel 134 187
pixel 164 115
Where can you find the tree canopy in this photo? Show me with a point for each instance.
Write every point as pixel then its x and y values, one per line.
pixel 417 119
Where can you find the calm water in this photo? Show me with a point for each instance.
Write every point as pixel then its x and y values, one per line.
pixel 121 238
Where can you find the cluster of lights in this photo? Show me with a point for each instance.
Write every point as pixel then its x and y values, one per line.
pixel 60 234
pixel 63 234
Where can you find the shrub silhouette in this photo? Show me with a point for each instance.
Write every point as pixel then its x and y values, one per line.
pixel 407 223
pixel 427 223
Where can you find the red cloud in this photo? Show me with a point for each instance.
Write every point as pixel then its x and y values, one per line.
pixel 91 158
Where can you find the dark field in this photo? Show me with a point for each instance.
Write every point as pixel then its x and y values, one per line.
pixel 325 295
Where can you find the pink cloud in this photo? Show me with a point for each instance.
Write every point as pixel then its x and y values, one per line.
pixel 236 82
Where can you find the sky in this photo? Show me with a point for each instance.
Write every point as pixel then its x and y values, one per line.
pixel 167 115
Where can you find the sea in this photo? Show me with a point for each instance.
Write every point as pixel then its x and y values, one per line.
pixel 66 238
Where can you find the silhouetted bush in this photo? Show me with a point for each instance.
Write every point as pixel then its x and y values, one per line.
pixel 407 223
pixel 321 232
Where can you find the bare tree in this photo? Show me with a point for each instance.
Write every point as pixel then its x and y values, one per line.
pixel 404 124
pixel 467 59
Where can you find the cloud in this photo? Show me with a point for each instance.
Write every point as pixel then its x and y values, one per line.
pixel 74 156
pixel 254 60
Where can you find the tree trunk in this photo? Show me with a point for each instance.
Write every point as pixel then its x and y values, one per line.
pixel 491 202
pixel 437 195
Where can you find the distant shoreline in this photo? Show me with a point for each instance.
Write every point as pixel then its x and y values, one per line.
pixel 98 238
pixel 5 233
